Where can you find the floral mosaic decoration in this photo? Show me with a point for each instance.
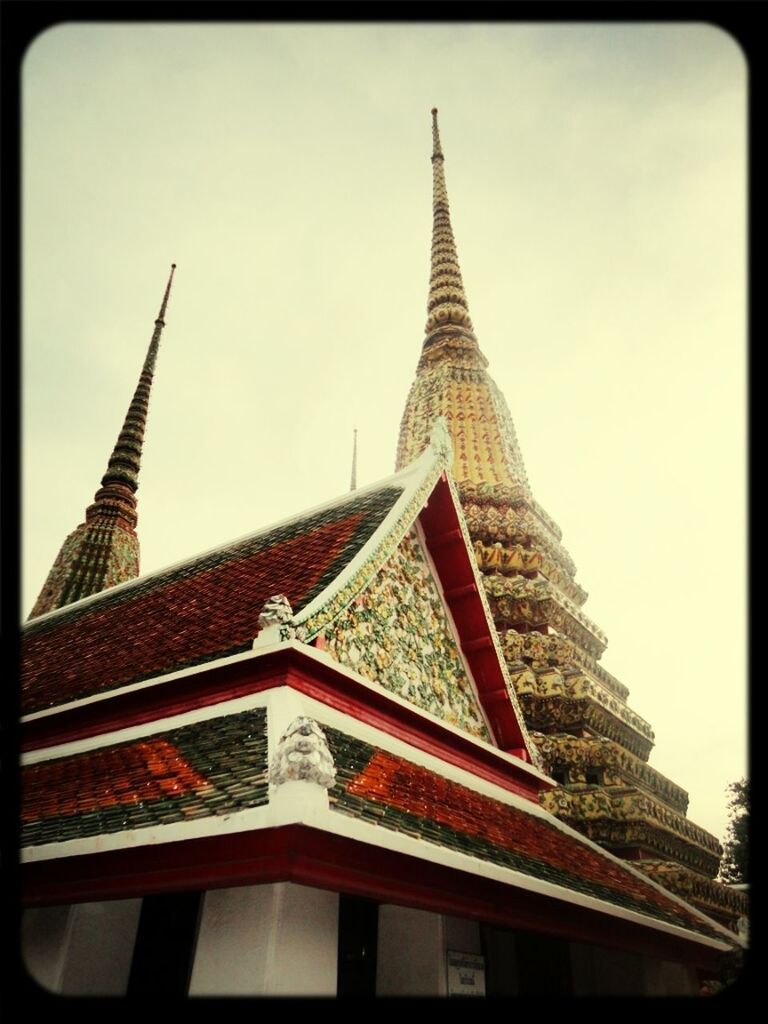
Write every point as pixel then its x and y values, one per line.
pixel 396 633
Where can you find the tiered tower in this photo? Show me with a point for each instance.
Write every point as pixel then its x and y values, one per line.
pixel 104 550
pixel 594 744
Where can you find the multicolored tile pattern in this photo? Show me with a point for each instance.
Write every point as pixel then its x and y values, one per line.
pixel 104 550
pixel 205 609
pixel 396 633
pixel 382 789
pixel 92 558
pixel 210 768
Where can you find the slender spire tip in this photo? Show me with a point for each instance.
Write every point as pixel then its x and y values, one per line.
pixel 164 305
pixel 353 481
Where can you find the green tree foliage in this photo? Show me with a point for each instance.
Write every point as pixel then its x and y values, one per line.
pixel 733 867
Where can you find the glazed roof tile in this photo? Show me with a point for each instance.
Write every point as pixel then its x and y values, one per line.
pixel 219 766
pixel 203 609
pixel 212 767
pixel 392 792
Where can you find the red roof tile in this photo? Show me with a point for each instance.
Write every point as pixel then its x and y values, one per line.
pixel 207 768
pixel 395 793
pixel 205 609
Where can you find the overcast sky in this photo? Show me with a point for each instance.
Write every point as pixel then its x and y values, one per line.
pixel 596 175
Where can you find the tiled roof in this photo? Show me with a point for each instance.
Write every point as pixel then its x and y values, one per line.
pixel 219 767
pixel 386 790
pixel 212 767
pixel 204 609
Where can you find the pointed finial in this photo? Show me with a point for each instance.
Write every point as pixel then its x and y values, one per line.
pixel 437 152
pixel 353 481
pixel 161 314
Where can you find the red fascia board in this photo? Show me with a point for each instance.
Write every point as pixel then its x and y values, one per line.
pixel 448 550
pixel 287 666
pixel 308 856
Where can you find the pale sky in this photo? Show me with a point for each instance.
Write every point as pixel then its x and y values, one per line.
pixel 596 175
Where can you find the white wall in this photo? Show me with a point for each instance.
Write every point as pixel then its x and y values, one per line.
pixel 83 949
pixel 277 939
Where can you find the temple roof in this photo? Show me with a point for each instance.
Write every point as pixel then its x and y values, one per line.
pixel 201 609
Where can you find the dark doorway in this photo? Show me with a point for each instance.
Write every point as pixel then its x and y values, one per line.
pixel 525 963
pixel 358 942
pixel 165 945
pixel 544 965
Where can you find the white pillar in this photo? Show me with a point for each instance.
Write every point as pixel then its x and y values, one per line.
pixel 84 949
pixel 411 953
pixel 44 938
pixel 277 939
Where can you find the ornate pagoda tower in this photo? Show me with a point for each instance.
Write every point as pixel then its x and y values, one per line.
pixel 595 746
pixel 104 550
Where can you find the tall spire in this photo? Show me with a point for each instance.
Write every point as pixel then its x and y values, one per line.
pixel 353 480
pixel 451 377
pixel 104 550
pixel 123 467
pixel 447 309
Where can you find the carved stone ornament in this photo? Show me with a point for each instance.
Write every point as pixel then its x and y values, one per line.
pixel 303 755
pixel 276 611
pixel 440 440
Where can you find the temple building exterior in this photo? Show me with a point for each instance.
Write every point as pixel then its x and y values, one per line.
pixel 366 750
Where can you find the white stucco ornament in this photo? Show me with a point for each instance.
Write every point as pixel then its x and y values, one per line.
pixel 276 623
pixel 440 441
pixel 276 611
pixel 302 755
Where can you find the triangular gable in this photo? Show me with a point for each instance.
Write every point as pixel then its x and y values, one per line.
pixel 398 632
pixel 472 689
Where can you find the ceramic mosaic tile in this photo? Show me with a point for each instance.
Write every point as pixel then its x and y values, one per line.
pixel 218 766
pixel 396 633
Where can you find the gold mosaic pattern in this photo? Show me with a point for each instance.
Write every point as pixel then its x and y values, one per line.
pixel 619 835
pixel 483 450
pixel 620 767
pixel 550 682
pixel 397 634
pixel 502 513
pixel 628 806
pixel 516 600
pixel 580 717
pixel 542 650
pixel 712 897
pixel 518 557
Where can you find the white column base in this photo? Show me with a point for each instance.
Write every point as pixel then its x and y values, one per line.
pixel 268 940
